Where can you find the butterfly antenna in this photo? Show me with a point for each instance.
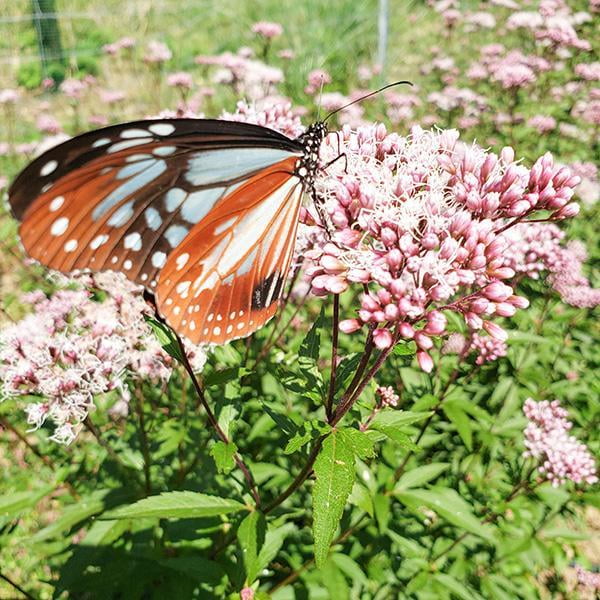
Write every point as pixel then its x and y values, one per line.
pixel 381 89
pixel 320 98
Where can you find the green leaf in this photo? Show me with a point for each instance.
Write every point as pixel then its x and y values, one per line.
pixel 405 348
pixel 390 417
pixel 72 515
pixel 198 568
pixel 312 342
pixel 177 505
pixel 449 505
pixel 421 475
pixel 15 502
pixel 346 368
pixel 166 338
pixel 310 430
pixel 251 536
pixel 359 441
pixel 395 424
pixel 273 541
pixel 461 421
pixel 334 471
pixel 458 588
pixel 223 454
pixel 360 497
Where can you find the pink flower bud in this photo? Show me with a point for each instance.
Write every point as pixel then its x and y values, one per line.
pixel 473 321
pixel 436 323
pixel 391 312
pixel 479 305
pixel 518 208
pixel 504 309
pixel 332 264
pixel 495 331
pixel 369 303
pixel 425 361
pixel 382 338
pixel 519 301
pixel 502 273
pixel 350 325
pixel 423 341
pixel 568 211
pixel 406 331
pixel 497 291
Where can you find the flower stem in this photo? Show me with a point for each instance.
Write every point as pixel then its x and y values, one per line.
pixel 334 349
pixel 214 423
pixel 139 409
pixel 16 586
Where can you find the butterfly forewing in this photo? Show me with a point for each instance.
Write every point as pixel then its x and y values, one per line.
pixel 135 198
pixel 138 197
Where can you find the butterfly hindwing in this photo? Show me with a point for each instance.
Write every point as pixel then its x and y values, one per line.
pixel 224 281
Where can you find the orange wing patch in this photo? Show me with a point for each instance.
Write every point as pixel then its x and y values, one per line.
pixel 224 280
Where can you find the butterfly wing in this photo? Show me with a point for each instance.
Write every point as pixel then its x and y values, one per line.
pixel 124 197
pixel 127 197
pixel 224 281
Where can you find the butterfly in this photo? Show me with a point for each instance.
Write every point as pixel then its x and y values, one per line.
pixel 202 213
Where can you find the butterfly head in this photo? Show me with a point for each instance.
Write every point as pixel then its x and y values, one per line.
pixel 309 164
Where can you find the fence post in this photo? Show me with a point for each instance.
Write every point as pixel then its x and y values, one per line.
pixel 382 42
pixel 46 26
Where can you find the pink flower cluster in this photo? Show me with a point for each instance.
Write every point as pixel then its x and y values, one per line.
pixel 561 456
pixel 71 348
pixel 536 248
pixel 387 396
pixel 585 578
pixel 419 223
pixel 267 29
pixel 488 348
pixel 125 43
pixel 246 76
pixel 157 53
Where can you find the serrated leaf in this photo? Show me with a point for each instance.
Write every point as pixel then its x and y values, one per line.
pixel 334 471
pixel 166 338
pixel 359 441
pixel 223 376
pixel 177 505
pixel 251 536
pixel 310 430
pixel 287 425
pixel 312 342
pixel 421 475
pixel 223 455
pixel 449 505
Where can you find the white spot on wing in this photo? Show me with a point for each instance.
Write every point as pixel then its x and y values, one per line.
pixel 98 241
pixel 173 198
pixel 181 260
pixel 159 259
pixel 162 128
pixel 127 265
pixel 121 215
pixel 101 142
pixel 164 150
pixel 174 234
pixel 153 218
pixel 199 204
pixel 56 203
pixel 135 133
pixel 127 144
pixel 59 226
pixel 48 168
pixel 133 241
pixel 71 246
